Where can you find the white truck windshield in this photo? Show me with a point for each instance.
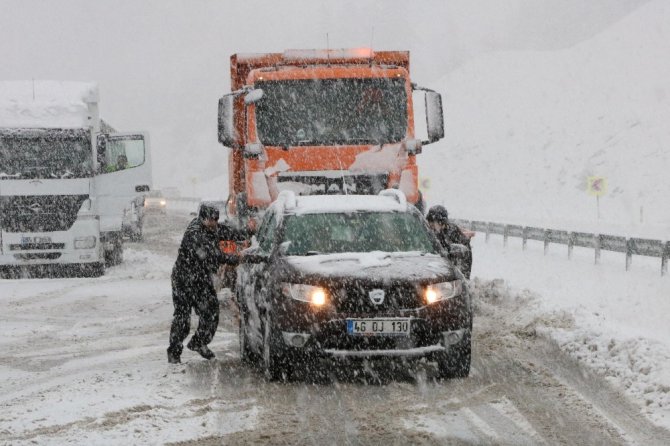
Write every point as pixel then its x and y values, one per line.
pixel 45 155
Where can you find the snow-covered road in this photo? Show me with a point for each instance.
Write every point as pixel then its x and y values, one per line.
pixel 82 361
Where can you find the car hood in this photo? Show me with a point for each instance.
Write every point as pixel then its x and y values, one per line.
pixel 406 266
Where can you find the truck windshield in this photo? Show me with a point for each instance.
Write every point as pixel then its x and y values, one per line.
pixel 45 155
pixel 332 111
pixel 356 232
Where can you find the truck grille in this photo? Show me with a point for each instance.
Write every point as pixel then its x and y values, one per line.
pixel 363 184
pixel 39 213
pixel 36 246
pixel 38 256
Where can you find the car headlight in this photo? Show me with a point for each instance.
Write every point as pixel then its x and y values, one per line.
pixel 163 202
pixel 314 295
pixel 84 242
pixel 442 291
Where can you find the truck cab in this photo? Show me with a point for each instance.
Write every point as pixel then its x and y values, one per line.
pixel 322 122
pixel 63 192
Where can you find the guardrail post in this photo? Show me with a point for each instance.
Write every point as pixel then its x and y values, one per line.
pixel 524 238
pixel 571 244
pixel 505 235
pixel 488 232
pixel 596 246
pixel 546 241
pixel 629 253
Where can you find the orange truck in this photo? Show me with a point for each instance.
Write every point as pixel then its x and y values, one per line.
pixel 322 122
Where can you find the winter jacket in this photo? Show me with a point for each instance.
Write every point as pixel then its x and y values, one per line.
pixel 199 257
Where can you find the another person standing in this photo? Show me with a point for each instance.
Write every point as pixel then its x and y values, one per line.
pixel 449 233
pixel 192 287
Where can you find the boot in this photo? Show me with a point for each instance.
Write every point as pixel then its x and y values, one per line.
pixel 203 350
pixel 173 359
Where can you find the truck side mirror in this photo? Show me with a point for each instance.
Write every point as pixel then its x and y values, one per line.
pixel 227 133
pixel 434 116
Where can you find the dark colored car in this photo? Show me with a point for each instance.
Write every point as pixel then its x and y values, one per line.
pixel 345 277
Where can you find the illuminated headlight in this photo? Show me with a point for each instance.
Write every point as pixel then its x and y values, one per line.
pixel 163 202
pixel 442 291
pixel 307 293
pixel 84 242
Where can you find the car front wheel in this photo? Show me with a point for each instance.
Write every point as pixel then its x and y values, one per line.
pixel 273 366
pixel 246 355
pixel 456 362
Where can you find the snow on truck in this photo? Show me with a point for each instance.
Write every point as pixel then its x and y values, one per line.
pixel 69 186
pixel 322 122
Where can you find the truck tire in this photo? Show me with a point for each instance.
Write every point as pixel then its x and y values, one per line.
pixel 115 256
pixel 94 269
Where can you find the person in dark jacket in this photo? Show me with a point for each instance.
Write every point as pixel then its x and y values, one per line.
pixel 448 233
pixel 192 287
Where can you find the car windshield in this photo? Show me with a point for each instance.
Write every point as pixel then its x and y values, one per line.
pixel 155 194
pixel 329 233
pixel 332 111
pixel 45 156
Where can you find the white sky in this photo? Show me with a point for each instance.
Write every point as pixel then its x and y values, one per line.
pixel 162 64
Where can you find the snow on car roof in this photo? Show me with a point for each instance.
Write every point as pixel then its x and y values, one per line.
pixel 46 104
pixel 316 204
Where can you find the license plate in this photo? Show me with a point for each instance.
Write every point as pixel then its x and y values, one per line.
pixel 378 327
pixel 35 240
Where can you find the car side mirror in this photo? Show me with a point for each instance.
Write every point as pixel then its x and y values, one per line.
pixel 457 251
pixel 254 259
pixel 284 247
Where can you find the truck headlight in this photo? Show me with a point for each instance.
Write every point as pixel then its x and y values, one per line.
pixel 314 295
pixel 442 291
pixel 84 242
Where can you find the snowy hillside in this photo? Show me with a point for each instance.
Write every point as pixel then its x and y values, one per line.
pixel 524 131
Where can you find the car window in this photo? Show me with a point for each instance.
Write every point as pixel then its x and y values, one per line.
pixel 356 232
pixel 266 232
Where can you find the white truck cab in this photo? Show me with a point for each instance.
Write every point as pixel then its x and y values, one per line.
pixel 64 186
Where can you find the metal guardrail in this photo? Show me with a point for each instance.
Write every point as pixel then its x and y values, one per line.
pixel 628 245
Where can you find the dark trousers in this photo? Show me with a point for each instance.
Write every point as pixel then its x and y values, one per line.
pixel 201 298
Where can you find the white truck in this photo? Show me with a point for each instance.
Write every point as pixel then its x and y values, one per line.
pixel 69 186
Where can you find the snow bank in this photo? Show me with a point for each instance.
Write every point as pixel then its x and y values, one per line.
pixel 613 321
pixel 46 104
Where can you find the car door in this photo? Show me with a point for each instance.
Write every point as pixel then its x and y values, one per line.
pixel 117 187
pixel 253 277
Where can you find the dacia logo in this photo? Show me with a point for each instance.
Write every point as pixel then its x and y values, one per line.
pixel 377 296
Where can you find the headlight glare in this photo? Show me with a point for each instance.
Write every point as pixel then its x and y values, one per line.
pixel 442 291
pixel 314 295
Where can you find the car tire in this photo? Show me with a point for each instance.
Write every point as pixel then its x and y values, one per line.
pixel 246 355
pixel 455 363
pixel 274 368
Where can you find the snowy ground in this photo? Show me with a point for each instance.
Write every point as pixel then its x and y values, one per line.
pixel 84 363
pixel 613 321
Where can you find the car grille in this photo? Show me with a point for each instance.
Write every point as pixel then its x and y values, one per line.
pixel 354 298
pixel 39 213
